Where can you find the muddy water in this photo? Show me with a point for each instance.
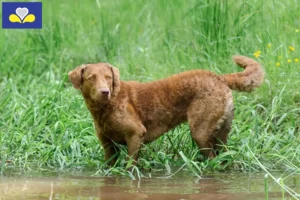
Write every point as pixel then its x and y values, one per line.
pixel 183 185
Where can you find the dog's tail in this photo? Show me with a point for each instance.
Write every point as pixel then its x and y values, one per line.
pixel 247 80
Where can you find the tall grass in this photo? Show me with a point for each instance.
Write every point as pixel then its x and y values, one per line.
pixel 44 122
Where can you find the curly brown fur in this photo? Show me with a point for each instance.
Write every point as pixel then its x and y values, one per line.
pixel 133 113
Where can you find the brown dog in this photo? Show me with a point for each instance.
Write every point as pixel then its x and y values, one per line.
pixel 133 113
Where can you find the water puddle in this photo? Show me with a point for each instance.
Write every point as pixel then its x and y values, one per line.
pixel 184 185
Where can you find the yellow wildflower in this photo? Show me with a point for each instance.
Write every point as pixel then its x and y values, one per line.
pixel 256 54
pixel 278 64
pixel 291 48
pixel 297 30
pixel 269 45
pixel 296 60
pixel 289 60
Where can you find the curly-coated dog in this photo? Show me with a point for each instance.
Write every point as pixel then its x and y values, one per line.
pixel 134 113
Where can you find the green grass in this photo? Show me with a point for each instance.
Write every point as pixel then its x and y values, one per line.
pixel 44 122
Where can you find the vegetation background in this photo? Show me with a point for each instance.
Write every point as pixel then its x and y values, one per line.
pixel 44 122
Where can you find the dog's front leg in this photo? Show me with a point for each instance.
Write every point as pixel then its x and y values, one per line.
pixel 133 131
pixel 134 143
pixel 109 149
pixel 134 138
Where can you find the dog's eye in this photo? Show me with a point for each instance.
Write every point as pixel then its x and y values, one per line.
pixel 108 77
pixel 91 78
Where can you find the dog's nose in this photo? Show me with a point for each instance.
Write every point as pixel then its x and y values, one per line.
pixel 104 91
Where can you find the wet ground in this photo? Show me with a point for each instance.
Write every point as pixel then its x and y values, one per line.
pixel 183 185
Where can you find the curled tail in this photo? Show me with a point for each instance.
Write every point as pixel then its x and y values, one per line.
pixel 247 80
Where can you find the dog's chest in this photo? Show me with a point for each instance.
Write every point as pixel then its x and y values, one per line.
pixel 115 136
pixel 108 130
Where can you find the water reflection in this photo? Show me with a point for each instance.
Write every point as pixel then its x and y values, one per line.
pixel 182 186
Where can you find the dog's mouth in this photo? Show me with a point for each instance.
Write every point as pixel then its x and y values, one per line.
pixel 102 98
pixel 105 97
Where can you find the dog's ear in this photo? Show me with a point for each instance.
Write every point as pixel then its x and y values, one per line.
pixel 75 76
pixel 116 79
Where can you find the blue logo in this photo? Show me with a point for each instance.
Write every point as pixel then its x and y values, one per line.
pixel 22 15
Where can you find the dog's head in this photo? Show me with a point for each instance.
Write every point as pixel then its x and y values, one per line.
pixel 99 82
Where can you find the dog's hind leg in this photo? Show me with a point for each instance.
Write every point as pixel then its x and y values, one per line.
pixel 223 129
pixel 224 124
pixel 206 120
